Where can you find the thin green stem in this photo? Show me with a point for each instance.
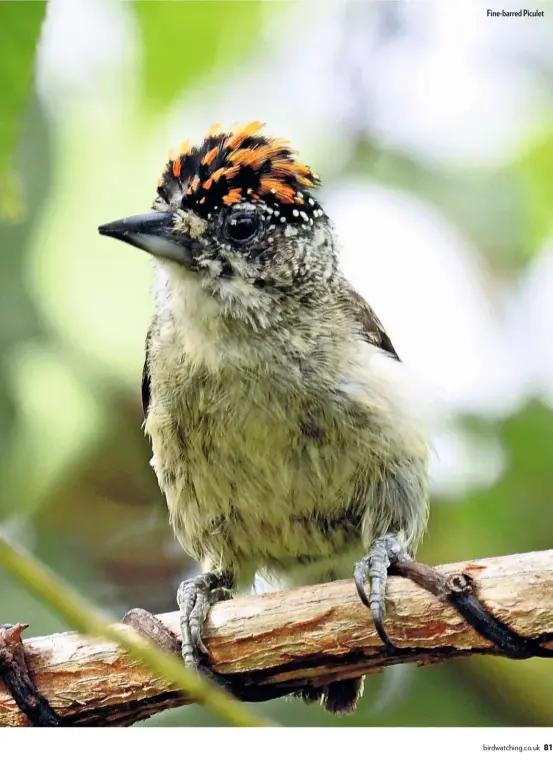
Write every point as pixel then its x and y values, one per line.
pixel 43 584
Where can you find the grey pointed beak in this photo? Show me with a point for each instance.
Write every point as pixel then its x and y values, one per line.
pixel 153 232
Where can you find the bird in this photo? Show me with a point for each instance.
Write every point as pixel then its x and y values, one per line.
pixel 285 433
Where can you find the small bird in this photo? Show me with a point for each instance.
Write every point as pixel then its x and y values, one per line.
pixel 284 433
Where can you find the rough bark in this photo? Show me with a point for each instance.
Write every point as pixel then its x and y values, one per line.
pixel 312 634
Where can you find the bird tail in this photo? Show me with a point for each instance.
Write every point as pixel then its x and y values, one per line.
pixel 339 698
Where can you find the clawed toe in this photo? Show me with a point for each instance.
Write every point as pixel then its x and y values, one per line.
pixel 195 597
pixel 457 590
pixel 384 553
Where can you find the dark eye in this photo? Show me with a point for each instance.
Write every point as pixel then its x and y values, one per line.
pixel 242 227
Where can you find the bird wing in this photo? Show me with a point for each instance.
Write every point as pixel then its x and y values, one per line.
pixel 373 329
pixel 146 379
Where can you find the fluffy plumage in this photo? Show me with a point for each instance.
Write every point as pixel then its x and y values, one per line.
pixel 281 427
pixel 264 439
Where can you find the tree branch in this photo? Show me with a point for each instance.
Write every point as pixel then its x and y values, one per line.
pixel 287 639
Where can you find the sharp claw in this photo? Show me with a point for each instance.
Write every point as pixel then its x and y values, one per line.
pixel 378 609
pixel 384 553
pixel 359 576
pixel 196 636
pixel 202 647
pixel 379 627
pixel 194 597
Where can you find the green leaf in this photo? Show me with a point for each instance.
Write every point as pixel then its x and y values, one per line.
pixel 184 42
pixel 20 24
pixel 533 173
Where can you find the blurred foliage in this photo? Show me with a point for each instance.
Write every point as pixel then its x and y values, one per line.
pixel 75 483
pixel 19 321
pixel 492 520
pixel 182 47
pixel 19 28
pixel 519 199
pixel 533 173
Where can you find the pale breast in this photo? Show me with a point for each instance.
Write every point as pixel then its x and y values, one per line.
pixel 270 455
pixel 254 472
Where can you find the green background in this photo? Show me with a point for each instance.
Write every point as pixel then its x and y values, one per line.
pixel 75 484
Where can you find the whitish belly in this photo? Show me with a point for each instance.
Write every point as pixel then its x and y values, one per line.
pixel 274 487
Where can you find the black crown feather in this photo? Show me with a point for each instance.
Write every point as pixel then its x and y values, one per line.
pixel 238 166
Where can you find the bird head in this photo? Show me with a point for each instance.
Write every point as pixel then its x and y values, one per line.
pixel 238 212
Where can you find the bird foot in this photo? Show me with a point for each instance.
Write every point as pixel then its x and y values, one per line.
pixel 195 597
pixel 384 553
pixel 387 555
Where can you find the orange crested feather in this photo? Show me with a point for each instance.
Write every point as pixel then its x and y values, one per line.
pixel 239 158
pixel 253 157
pixel 209 156
pixel 233 196
pixel 274 185
pixel 241 132
pixel 214 129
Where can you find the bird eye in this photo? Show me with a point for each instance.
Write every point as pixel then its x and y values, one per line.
pixel 241 227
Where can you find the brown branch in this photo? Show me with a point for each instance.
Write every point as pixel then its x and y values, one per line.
pixel 287 639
